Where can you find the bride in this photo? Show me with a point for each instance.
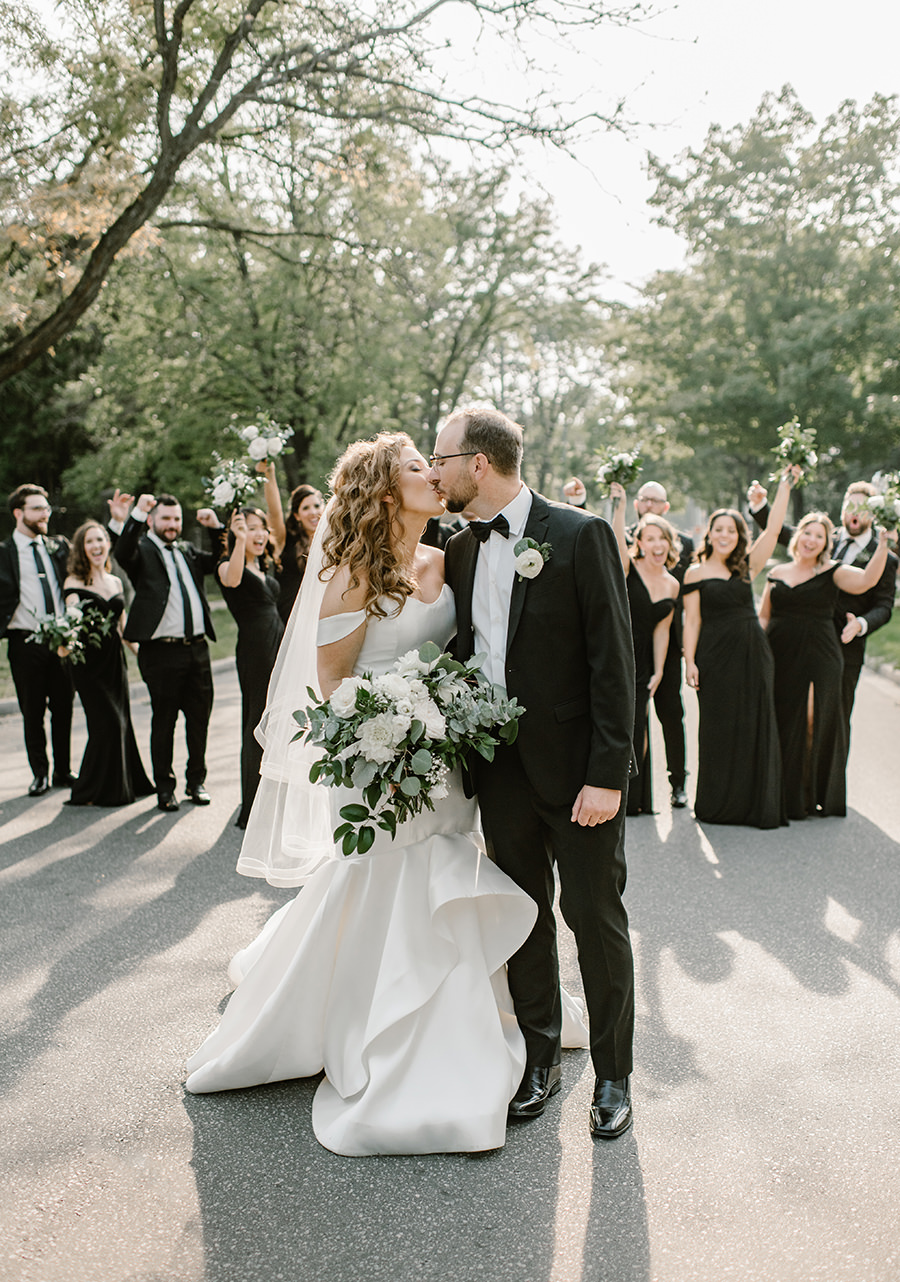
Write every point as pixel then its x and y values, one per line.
pixel 387 969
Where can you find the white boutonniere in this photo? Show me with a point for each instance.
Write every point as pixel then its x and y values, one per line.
pixel 530 557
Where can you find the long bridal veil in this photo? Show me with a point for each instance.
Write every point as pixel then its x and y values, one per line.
pixel 288 834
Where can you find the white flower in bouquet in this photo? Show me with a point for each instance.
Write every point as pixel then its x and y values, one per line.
pixel 427 711
pixel 391 685
pixel 875 503
pixel 223 494
pixel 411 664
pixel 249 433
pixel 258 448
pixel 795 448
pixel 274 446
pixel 621 467
pixel 378 738
pixel 885 506
pixel 343 701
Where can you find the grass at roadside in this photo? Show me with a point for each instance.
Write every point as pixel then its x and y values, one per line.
pixel 885 643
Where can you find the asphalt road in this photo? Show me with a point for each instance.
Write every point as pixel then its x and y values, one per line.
pixel 767 1125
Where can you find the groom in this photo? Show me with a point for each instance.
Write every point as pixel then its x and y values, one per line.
pixel 558 640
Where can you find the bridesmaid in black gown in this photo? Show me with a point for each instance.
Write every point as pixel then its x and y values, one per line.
pixel 728 662
pixel 251 594
pixel 652 594
pixel 111 772
pixel 798 610
pixel 291 539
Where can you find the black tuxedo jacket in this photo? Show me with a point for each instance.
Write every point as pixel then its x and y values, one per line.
pixel 9 574
pixel 875 606
pixel 142 561
pixel 569 656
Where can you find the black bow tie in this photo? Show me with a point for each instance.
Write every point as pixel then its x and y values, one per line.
pixel 482 529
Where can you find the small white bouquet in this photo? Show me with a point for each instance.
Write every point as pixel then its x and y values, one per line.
pixel 796 448
pixel 264 438
pixel 231 483
pixel 619 467
pixel 81 626
pixel 396 737
pixel 885 506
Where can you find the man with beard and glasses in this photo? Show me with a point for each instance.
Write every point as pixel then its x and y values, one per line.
pixel 32 570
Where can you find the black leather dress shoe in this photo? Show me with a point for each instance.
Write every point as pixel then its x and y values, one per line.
pixel 537 1086
pixel 611 1108
pixel 199 796
pixel 38 786
pixel 167 801
pixel 679 799
pixel 61 780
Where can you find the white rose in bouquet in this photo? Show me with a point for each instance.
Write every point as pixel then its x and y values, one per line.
pixel 258 448
pixel 249 433
pixel 427 711
pixel 343 701
pixel 392 686
pixel 223 494
pixel 273 446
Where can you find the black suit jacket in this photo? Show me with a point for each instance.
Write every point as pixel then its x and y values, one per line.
pixel 142 561
pixel 875 606
pixel 58 549
pixel 569 656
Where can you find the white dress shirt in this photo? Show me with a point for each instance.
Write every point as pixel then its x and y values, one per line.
pixel 492 590
pixel 852 550
pixel 32 607
pixel 172 622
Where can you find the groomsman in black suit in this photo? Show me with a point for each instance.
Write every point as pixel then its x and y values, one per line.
pixel 855 543
pixel 557 636
pixel 170 619
pixel 32 571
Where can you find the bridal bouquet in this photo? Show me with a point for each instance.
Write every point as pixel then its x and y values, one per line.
pixel 396 737
pixel 264 438
pixel 619 467
pixel 231 483
pixel 796 448
pixel 885 507
pixel 81 626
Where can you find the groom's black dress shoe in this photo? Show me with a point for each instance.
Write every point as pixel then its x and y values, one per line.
pixel 537 1086
pixel 63 780
pixel 38 786
pixel 611 1108
pixel 198 795
pixel 167 801
pixel 679 799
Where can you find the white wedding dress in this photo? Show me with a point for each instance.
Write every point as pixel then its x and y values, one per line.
pixel 388 971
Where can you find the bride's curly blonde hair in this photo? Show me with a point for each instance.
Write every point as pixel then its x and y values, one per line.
pixel 362 528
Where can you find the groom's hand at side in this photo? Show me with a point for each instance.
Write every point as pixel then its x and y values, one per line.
pixel 595 806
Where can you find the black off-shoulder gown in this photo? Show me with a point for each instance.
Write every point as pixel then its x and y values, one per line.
pixel 808 654
pixel 111 771
pixel 739 776
pixel 645 615
pixel 254 604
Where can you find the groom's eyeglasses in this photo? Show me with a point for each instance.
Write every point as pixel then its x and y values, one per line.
pixel 437 460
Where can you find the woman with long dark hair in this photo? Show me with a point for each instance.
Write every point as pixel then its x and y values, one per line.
pixel 251 594
pixel 291 538
pixel 728 662
pixel 111 772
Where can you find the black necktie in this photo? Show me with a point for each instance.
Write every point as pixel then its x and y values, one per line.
pixel 482 529
pixel 49 603
pixel 185 599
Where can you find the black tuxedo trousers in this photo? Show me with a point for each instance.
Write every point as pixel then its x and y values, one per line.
pixel 42 681
pixel 179 679
pixel 526 836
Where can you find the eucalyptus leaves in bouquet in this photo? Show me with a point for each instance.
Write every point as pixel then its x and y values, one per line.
pixel 619 467
pixel 796 448
pixel 885 506
pixel 396 737
pixel 72 633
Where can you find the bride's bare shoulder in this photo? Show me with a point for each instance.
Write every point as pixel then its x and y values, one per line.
pixel 342 597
